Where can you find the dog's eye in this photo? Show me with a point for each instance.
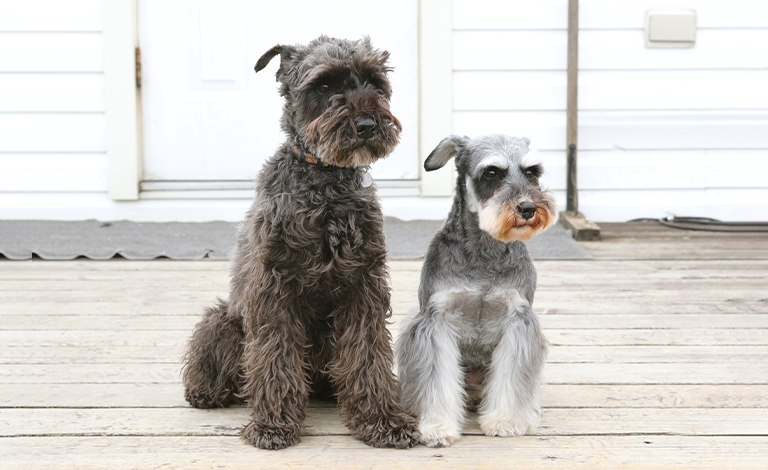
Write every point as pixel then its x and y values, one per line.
pixel 323 88
pixel 491 174
pixel 534 171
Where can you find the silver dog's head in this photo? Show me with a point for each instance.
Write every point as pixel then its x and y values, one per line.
pixel 497 182
pixel 337 99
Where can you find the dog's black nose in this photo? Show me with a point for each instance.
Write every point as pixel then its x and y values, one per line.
pixel 366 127
pixel 527 210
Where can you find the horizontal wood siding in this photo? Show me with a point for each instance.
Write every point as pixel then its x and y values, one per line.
pixel 685 126
pixel 53 172
pixel 51 15
pixel 52 122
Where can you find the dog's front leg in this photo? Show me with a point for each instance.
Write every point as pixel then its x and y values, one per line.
pixel 511 395
pixel 275 369
pixel 432 379
pixel 361 371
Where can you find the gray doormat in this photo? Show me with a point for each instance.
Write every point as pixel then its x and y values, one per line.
pixel 55 240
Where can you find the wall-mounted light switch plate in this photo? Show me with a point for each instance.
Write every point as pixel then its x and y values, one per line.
pixel 670 28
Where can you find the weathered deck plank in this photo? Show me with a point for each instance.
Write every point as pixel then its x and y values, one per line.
pixel 342 452
pixel 170 395
pixel 581 337
pixel 325 421
pixel 659 359
pixel 548 321
pixel 557 354
pixel 556 373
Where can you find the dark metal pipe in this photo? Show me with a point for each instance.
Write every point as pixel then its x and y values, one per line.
pixel 572 202
pixel 572 110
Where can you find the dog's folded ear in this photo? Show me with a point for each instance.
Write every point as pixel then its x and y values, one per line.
pixel 286 52
pixel 445 150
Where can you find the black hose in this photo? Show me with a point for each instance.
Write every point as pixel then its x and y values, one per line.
pixel 706 224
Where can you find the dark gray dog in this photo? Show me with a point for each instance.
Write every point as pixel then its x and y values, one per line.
pixel 309 295
pixel 475 339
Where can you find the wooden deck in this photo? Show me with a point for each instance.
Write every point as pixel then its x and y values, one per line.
pixel 659 359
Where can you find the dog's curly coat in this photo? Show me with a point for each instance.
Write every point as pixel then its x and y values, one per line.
pixel 309 295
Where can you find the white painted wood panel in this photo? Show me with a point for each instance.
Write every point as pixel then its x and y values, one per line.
pixel 737 204
pixel 721 204
pixel 613 90
pixel 737 169
pixel 658 170
pixel 50 15
pixel 715 49
pixel 611 14
pixel 52 92
pixel 642 170
pixel 602 14
pixel 510 14
pixel 678 89
pixel 208 116
pixel 499 91
pixel 622 206
pixel 656 129
pixel 29 172
pixel 546 129
pixel 85 205
pixel 52 132
pixel 510 50
pixel 51 52
pixel 639 130
pixel 605 50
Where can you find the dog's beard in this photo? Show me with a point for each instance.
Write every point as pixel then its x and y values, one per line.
pixel 502 221
pixel 334 135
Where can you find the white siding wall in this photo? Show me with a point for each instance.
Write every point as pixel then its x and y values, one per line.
pixel 53 161
pixel 661 131
pixel 682 130
pixel 52 124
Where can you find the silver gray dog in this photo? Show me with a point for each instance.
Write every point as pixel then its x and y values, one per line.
pixel 475 342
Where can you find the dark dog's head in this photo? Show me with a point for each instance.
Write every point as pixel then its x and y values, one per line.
pixel 498 183
pixel 337 99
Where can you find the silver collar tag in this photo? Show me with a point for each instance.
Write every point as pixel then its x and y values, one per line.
pixel 366 179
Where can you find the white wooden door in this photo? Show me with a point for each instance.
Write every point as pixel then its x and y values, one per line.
pixel 208 117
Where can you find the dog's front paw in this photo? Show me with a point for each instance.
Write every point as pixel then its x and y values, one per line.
pixel 200 399
pixel 269 438
pixel 399 433
pixel 437 437
pixel 506 427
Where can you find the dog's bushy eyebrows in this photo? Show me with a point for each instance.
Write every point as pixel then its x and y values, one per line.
pixel 536 170
pixel 337 74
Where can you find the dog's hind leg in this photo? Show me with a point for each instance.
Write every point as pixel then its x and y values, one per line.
pixel 511 401
pixel 429 365
pixel 211 372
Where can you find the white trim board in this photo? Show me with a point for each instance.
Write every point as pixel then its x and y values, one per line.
pixel 435 90
pixel 244 189
pixel 84 206
pixel 121 98
pixel 602 206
